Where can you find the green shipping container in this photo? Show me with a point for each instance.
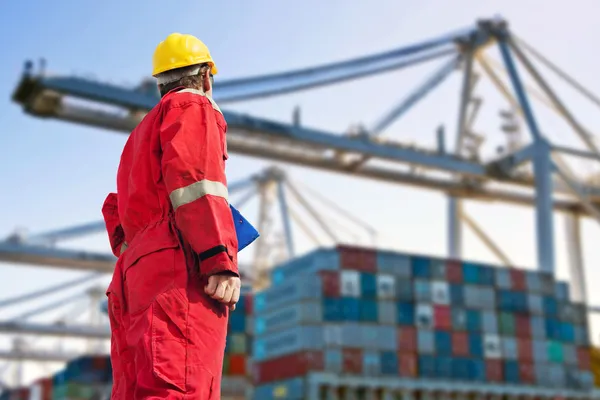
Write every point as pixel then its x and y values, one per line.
pixel 507 324
pixel 226 364
pixel 74 391
pixel 59 392
pixel 237 343
pixel 555 352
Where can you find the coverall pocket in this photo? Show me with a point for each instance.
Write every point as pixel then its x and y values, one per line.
pixel 169 338
pixel 151 274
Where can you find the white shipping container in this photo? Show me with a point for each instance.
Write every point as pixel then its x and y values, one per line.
pixel 350 283
pixel 492 347
pixel 424 316
pixel 333 335
pixel 35 392
pixel 386 286
pixel 440 293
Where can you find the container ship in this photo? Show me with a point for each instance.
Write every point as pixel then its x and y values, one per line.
pixel 357 323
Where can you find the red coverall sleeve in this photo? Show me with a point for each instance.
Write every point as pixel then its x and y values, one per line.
pixel 193 165
pixel 110 211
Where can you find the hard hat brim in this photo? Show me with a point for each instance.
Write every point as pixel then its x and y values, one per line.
pixel 213 68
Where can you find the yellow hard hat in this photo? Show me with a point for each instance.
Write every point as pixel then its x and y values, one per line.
pixel 178 51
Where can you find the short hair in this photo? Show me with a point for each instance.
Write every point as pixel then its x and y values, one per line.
pixel 188 77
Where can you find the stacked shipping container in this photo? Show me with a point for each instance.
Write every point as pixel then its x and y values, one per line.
pixel 90 376
pixel 237 362
pixel 86 377
pixel 361 312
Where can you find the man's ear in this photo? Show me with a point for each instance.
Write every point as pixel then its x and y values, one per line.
pixel 206 85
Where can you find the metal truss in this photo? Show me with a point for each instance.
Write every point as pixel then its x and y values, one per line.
pixel 548 185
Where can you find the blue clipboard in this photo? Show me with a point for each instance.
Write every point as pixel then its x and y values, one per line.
pixel 246 233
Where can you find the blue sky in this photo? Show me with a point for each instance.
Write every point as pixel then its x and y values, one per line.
pixel 56 174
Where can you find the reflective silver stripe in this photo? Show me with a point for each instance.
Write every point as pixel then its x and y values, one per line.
pixel 196 191
pixel 201 93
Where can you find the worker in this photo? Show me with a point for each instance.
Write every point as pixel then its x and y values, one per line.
pixel 179 275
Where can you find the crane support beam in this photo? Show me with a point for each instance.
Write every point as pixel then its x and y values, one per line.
pixel 257 136
pixel 37 355
pixel 68 233
pixel 60 258
pixel 30 90
pixel 29 328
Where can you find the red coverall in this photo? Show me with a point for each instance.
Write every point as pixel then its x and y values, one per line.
pixel 178 228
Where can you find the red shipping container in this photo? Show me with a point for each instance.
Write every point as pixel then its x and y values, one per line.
pixel 288 366
pixel 526 372
pixel 407 365
pixel 493 370
pixel 331 283
pixel 454 271
pixel 249 304
pixel 407 339
pixel 584 358
pixel 525 350
pixel 518 280
pixel 460 344
pixel 45 385
pixel 357 258
pixel 522 326
pixel 442 317
pixel 352 360
pixel 100 363
pixel 237 364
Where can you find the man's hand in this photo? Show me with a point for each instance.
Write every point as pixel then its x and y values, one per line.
pixel 224 288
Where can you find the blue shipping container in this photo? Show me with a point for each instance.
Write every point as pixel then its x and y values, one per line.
pixel 399 265
pixel 427 366
pixel 443 343
pixel 459 319
pixel 473 320
pixel 332 310
pixel 237 323
pixel 371 363
pixel 368 285
pixel 553 329
pixel 368 310
pixel 460 368
pixel 443 367
pixel 302 288
pixel 457 298
pixel 486 276
pixel 306 312
pixel 511 371
pixel 288 341
pixel 333 361
pixel 422 290
pixel 421 267
pixel 562 291
pixel 389 363
pixel 567 332
pixel 471 273
pixel 550 306
pixel 318 260
pixel 350 309
pixel 404 290
pixel 476 345
pixel 406 313
pixel 477 370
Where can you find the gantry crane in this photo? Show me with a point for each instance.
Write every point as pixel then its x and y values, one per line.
pixel 532 173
